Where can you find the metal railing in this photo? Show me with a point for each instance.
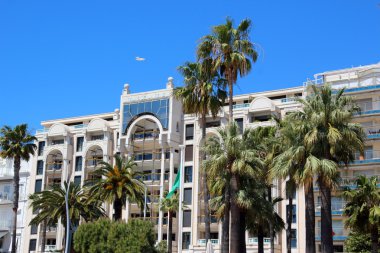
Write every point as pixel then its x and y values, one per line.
pixel 5 224
pixel 372 132
pixel 145 135
pixel 202 242
pixel 254 240
pixel 6 172
pixel 240 106
pixel 80 126
pixel 369 107
pixel 369 156
pixel 337 207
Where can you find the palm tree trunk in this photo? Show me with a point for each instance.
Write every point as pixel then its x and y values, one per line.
pixel 206 194
pixel 310 218
pixel 260 239
pixel 235 216
pixel 271 229
pixel 16 182
pixel 43 237
pixel 226 221
pixel 326 218
pixel 170 231
pixel 242 245
pixel 374 239
pixel 230 96
pixel 289 221
pixel 118 207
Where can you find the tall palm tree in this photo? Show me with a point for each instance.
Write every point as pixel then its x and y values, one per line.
pixel 331 137
pixel 202 94
pixel 232 52
pixel 229 159
pixel 51 206
pixel 118 183
pixel 363 208
pixel 170 205
pixel 16 144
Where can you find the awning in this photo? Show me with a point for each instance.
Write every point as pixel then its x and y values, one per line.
pixel 3 233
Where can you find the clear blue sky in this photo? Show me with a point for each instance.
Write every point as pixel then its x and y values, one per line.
pixel 70 58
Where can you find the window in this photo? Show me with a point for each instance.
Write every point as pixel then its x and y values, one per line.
pixel 187 196
pixel 188 174
pixel 80 141
pixel 187 218
pixel 294 238
pixel 40 167
pixel 165 237
pixel 294 216
pixel 239 122
pixel 78 163
pixel 33 229
pixel 214 235
pixel 189 132
pixel 77 180
pixel 41 146
pixel 38 186
pixel 57 142
pixel 97 137
pixel 32 244
pixel 338 248
pixel 189 153
pixel 261 118
pixel 186 240
pixel 213 124
pixel 50 241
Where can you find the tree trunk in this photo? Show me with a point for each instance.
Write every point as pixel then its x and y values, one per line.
pixel 118 207
pixel 374 240
pixel 230 96
pixel 235 216
pixel 206 194
pixel 242 245
pixel 310 218
pixel 271 228
pixel 43 237
pixel 16 182
pixel 170 231
pixel 326 218
pixel 226 221
pixel 289 221
pixel 260 239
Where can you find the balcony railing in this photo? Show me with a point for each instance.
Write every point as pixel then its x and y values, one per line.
pixel 150 156
pixel 213 219
pixel 55 166
pixel 5 224
pixel 254 240
pixel 370 107
pixel 240 106
pixel 153 176
pixel 370 156
pixel 50 248
pixel 6 196
pixel 373 132
pixel 337 207
pixel 202 242
pixel 145 135
pixel 339 233
pixel 6 172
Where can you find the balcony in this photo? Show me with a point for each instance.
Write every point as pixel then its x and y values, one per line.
pixel 6 172
pixel 339 233
pixel 5 224
pixel 153 177
pixel 148 135
pixel 240 106
pixel 254 240
pixel 373 132
pixel 213 219
pixel 337 207
pixel 202 242
pixel 50 248
pixel 369 108
pixel 6 196
pixel 370 156
pixel 261 124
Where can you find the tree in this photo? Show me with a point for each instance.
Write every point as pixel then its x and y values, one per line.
pixel 118 183
pixel 231 51
pixel 115 236
pixel 51 207
pixel 203 94
pixel 228 160
pixel 171 206
pixel 16 144
pixel 358 242
pixel 331 137
pixel 363 209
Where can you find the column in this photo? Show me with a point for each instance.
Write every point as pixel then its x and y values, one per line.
pixel 180 212
pixel 162 180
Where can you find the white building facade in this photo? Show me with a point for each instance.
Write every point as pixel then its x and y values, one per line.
pixel 6 205
pixel 151 127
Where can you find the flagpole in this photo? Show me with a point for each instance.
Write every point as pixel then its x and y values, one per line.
pixel 180 212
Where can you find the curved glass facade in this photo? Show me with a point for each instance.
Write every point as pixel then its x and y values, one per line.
pixel 159 108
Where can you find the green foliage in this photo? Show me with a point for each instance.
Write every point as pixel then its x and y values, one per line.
pixel 162 247
pixel 115 237
pixel 358 242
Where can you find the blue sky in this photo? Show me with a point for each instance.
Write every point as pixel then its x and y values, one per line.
pixel 70 58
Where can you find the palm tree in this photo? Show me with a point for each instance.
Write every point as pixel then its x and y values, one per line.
pixel 331 137
pixel 363 208
pixel 231 51
pixel 51 206
pixel 229 159
pixel 203 94
pixel 16 144
pixel 170 205
pixel 118 183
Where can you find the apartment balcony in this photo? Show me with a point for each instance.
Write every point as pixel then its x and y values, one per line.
pixel 202 242
pixel 369 157
pixel 337 208
pixel 351 86
pixel 339 233
pixel 213 219
pixel 369 108
pixel 6 197
pixel 154 177
pixel 6 173
pixel 50 248
pixel 254 240
pixel 240 106
pixel 372 132
pixel 256 124
pixel 5 224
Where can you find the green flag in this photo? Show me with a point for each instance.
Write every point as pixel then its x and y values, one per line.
pixel 175 186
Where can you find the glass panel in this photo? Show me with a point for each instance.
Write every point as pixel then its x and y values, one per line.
pixel 188 174
pixel 187 196
pixel 294 238
pixel 189 132
pixel 33 229
pixel 189 153
pixel 186 240
pixel 77 180
pixel 187 218
pixel 80 141
pixel 32 244
pixel 38 186
pixel 40 167
pixel 78 163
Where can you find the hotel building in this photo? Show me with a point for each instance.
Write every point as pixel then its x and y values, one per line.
pixel 151 127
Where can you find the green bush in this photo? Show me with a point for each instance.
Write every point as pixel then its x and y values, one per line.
pixel 358 242
pixel 115 237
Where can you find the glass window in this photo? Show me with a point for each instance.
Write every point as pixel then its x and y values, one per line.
pixel 32 244
pixel 186 218
pixel 40 167
pixel 189 132
pixel 78 163
pixel 187 196
pixel 239 122
pixel 294 238
pixel 80 141
pixel 77 180
pixel 188 174
pixel 33 229
pixel 186 240
pixel 294 216
pixel 38 186
pixel 41 146
pixel 189 153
